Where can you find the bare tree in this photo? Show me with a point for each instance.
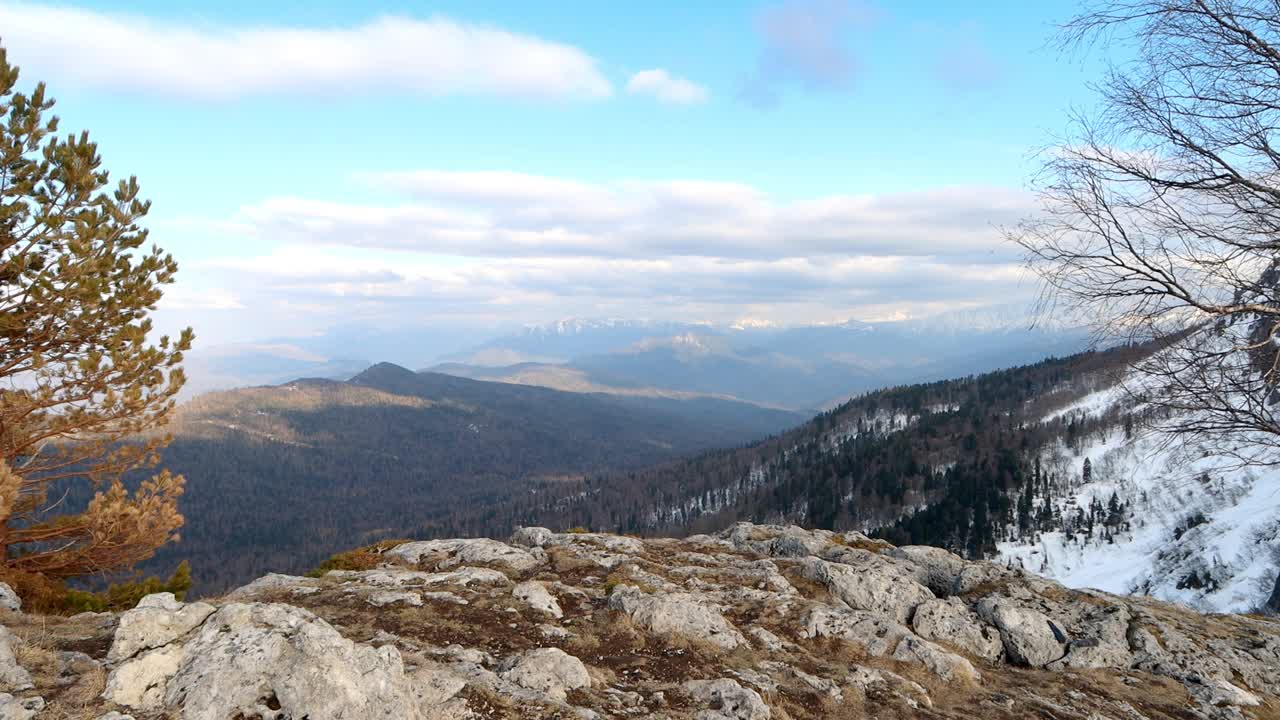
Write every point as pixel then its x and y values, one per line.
pixel 1161 210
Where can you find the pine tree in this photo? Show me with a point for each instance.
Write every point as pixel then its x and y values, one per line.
pixel 83 389
pixel 1086 473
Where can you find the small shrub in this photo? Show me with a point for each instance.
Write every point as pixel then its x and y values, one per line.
pixel 123 596
pixel 365 558
pixel 44 595
pixel 579 530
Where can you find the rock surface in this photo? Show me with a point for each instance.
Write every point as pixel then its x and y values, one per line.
pixel 756 623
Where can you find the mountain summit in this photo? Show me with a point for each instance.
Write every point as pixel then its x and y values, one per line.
pixel 757 622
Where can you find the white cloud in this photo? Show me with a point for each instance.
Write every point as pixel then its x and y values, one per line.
pixel 477 249
pixel 514 215
pixel 666 87
pixel 432 57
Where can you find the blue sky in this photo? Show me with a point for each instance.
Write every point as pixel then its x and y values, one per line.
pixel 482 164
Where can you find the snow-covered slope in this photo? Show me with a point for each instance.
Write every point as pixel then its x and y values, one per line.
pixel 1194 527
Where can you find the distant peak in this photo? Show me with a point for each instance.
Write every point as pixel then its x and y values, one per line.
pixel 381 371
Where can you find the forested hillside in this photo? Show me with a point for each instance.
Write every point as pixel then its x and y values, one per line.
pixel 281 477
pixel 949 463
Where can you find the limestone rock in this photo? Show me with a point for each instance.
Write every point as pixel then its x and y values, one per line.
pixel 15 708
pixel 383 598
pixel 549 671
pixel 932 567
pixel 946 665
pixel 535 595
pixel 952 622
pixel 531 536
pixel 871 584
pixel 248 658
pixel 477 550
pixel 158 620
pixel 727 700
pixel 9 599
pixel 1028 636
pixel 681 614
pixel 140 682
pixel 274 582
pixel 876 634
pixel 13 677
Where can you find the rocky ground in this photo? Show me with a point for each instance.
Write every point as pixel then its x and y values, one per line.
pixel 759 622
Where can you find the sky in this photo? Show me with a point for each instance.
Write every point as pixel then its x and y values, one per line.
pixel 478 164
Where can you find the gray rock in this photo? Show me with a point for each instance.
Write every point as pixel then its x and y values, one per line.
pixel 681 614
pixel 15 708
pixel 870 583
pixel 383 598
pixel 9 599
pixel 943 663
pixel 766 640
pixel 115 715
pixel 1027 635
pixel 274 582
pixel 13 677
pixel 531 536
pixel 462 552
pixel 950 621
pixel 535 595
pixel 932 567
pixel 878 635
pixel 549 671
pixel 727 700
pixel 247 658
pixel 140 682
pixel 158 620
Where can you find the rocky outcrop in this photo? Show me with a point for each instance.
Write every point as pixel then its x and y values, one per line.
pixel 254 660
pixel 755 623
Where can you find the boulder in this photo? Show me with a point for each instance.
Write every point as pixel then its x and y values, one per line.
pixel 943 663
pixel 681 614
pixel 725 699
pixel 1028 636
pixel 13 677
pixel 157 620
pixel 531 536
pixel 549 671
pixel 9 599
pixel 952 622
pixel 535 595
pixel 16 708
pixel 871 583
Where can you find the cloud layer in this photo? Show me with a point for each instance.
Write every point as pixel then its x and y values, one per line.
pixel 502 214
pixel 430 57
pixel 490 247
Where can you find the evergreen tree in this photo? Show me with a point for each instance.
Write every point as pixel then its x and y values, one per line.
pixel 81 381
